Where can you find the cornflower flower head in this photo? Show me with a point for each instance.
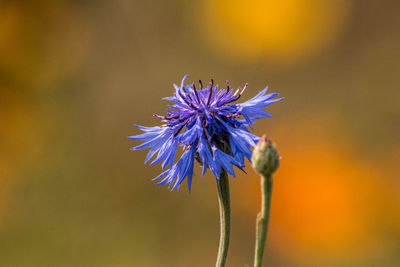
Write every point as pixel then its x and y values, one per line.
pixel 210 128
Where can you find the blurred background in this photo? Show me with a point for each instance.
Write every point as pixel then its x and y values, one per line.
pixel 76 75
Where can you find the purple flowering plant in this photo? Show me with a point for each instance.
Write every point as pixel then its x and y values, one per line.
pixel 203 121
pixel 214 130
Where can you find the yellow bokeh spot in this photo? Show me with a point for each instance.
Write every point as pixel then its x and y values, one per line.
pixel 282 30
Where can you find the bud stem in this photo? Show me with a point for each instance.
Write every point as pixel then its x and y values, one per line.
pixel 263 218
pixel 225 217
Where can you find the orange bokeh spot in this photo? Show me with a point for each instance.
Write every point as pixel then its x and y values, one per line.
pixel 327 201
pixel 318 202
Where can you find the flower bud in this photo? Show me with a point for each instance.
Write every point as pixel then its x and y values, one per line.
pixel 265 157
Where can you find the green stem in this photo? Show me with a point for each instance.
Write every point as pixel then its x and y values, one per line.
pixel 225 217
pixel 263 218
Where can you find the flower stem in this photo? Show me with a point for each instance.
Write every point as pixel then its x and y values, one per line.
pixel 225 217
pixel 263 218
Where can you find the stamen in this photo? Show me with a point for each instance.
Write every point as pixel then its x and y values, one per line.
pixel 241 92
pixel 244 88
pixel 197 96
pixel 159 116
pixel 211 91
pixel 172 117
pixel 201 84
pixel 186 101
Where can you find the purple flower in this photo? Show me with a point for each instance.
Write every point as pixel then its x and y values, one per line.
pixel 208 126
